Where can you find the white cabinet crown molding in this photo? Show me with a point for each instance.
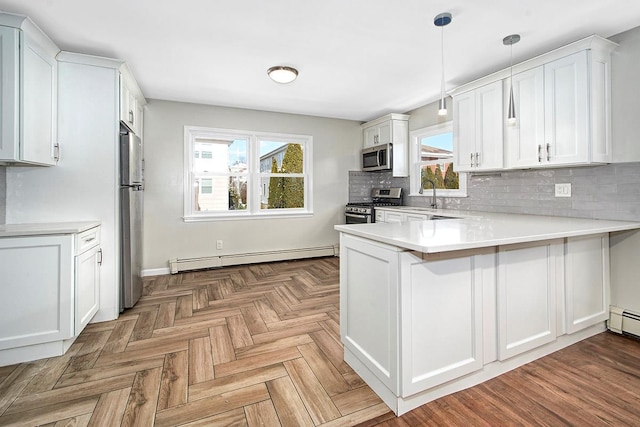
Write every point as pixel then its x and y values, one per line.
pixel 593 42
pixel 392 116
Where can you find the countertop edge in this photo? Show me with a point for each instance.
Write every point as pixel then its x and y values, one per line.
pixel 596 228
pixel 46 229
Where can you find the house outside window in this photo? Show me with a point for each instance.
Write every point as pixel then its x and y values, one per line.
pixel 432 160
pixel 239 174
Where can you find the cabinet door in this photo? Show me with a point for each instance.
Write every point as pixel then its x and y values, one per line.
pixel 87 287
pixel 527 278
pixel 464 132
pixel 489 127
pixel 369 306
pixel 587 287
pixel 10 93
pixel 385 133
pixel 370 136
pixel 36 296
pixel 416 217
pixel 126 107
pixel 567 110
pixel 524 140
pixel 393 217
pixel 39 104
pixel 441 319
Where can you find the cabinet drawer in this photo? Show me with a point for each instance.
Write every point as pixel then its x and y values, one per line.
pixel 87 239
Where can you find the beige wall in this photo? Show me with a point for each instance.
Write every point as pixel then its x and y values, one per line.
pixel 336 144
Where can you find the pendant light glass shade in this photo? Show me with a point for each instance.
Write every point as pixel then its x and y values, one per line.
pixel 441 21
pixel 511 111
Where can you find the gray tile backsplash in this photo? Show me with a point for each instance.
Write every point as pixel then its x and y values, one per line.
pixel 603 192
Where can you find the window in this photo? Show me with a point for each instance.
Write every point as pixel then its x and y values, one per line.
pixel 432 160
pixel 239 174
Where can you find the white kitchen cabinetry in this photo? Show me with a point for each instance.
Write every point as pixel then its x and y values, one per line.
pixel 369 306
pixel 131 102
pixel 477 129
pixel 528 275
pixel 441 319
pixel 554 120
pixel 49 291
pixel 28 99
pixel 588 278
pixel 413 321
pixel 394 216
pixel 563 110
pixel 86 181
pixel 390 129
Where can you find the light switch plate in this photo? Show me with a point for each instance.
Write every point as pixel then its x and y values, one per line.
pixel 563 190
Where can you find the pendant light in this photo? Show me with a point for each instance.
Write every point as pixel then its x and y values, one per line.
pixel 441 21
pixel 510 41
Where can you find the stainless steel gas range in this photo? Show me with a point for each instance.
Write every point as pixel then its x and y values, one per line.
pixel 364 212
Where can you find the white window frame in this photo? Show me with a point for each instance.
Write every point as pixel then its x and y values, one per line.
pixel 193 133
pixel 417 163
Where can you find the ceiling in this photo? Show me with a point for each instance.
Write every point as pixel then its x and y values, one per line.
pixel 358 59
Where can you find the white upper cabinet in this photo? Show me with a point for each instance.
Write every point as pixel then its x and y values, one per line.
pixel 28 100
pixel 477 129
pixel 563 112
pixel 524 136
pixel 553 120
pixel 131 102
pixel 390 129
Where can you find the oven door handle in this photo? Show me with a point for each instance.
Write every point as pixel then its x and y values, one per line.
pixel 359 216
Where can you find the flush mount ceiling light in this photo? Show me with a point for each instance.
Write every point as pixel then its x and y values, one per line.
pixel 510 41
pixel 441 21
pixel 282 74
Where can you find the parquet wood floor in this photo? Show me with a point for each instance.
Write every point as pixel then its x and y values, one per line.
pixel 259 345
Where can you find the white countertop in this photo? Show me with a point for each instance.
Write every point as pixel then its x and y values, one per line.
pixel 480 229
pixel 46 228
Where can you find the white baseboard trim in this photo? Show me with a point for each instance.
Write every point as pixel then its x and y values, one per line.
pixel 155 272
pixel 185 264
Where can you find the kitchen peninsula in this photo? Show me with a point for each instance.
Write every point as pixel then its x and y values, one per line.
pixel 428 308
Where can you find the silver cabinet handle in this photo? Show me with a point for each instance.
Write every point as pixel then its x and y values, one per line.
pixel 56 152
pixel 539 153
pixel 471 156
pixel 477 159
pixel 99 256
pixel 548 152
pixel 130 116
pixel 90 239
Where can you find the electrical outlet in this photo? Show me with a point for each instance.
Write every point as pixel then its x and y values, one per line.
pixel 563 190
pixel 218 244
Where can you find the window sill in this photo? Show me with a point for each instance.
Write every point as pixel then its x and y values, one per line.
pixel 243 216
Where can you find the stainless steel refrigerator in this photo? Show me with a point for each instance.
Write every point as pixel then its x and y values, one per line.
pixel 131 201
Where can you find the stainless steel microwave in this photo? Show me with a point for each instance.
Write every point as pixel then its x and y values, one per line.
pixel 377 158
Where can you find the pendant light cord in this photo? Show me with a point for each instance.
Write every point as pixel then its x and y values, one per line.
pixel 442 59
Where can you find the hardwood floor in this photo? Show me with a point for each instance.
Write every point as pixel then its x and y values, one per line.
pixel 260 345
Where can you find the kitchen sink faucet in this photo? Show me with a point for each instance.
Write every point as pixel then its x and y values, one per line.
pixel 434 204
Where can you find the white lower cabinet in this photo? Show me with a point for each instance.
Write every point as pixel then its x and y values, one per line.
pixel 49 292
pixel 394 216
pixel 588 279
pixel 527 278
pixel 418 326
pixel 369 306
pixel 441 319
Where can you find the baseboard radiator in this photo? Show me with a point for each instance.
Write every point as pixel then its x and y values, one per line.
pixel 185 264
pixel 624 321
